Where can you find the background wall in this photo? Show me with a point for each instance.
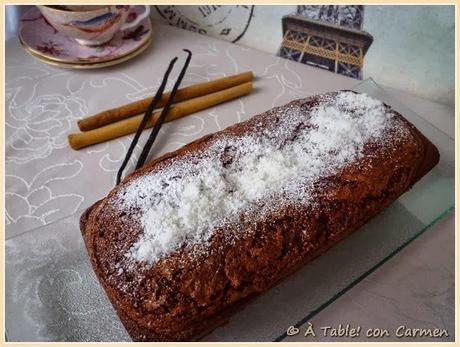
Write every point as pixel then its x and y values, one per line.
pixel 413 48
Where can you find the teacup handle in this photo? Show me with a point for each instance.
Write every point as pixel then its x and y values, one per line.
pixel 137 20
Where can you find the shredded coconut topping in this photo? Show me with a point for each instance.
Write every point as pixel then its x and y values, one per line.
pixel 185 201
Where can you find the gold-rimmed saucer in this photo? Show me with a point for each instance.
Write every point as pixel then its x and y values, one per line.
pixel 87 66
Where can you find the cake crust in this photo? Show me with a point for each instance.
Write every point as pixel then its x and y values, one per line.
pixel 186 295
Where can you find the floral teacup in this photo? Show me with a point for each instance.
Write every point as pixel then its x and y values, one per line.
pixel 90 25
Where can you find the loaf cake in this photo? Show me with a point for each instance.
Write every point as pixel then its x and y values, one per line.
pixel 191 237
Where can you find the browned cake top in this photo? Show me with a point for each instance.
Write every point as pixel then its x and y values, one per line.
pixel 186 206
pixel 184 201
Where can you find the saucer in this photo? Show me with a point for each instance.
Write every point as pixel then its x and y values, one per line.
pixel 44 42
pixel 88 66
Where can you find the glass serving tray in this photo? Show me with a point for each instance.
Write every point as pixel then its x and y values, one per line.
pixel 52 293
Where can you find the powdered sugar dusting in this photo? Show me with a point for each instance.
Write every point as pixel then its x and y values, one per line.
pixel 184 202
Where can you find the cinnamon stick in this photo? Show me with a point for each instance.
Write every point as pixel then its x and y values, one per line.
pixel 130 125
pixel 140 106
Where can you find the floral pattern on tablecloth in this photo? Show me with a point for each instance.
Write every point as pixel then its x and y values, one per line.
pixel 46 180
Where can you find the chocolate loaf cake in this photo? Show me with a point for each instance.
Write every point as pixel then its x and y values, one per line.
pixel 188 239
